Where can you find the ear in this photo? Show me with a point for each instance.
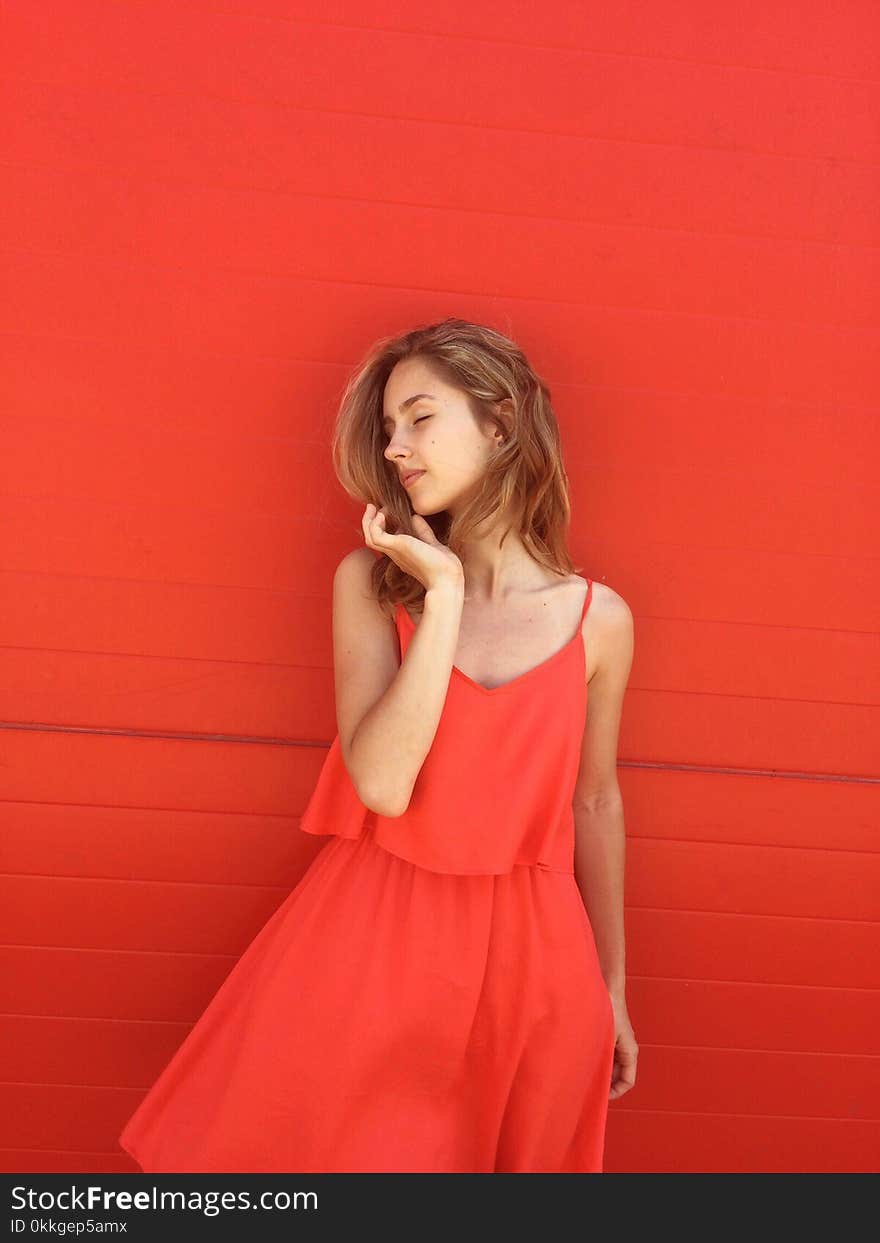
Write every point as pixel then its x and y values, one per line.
pixel 504 412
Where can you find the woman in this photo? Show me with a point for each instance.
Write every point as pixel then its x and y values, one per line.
pixel 432 996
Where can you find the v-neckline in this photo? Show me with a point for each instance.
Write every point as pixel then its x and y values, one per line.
pixel 520 677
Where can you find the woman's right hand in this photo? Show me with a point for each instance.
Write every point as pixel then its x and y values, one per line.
pixel 421 555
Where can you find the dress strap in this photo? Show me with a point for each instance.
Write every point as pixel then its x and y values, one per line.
pixel 587 599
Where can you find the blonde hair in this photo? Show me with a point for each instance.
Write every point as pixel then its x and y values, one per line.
pixel 526 476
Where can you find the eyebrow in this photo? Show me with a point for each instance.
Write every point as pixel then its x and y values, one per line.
pixel 405 405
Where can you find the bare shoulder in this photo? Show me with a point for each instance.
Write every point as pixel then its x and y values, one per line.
pixel 353 588
pixel 355 567
pixel 358 617
pixel 609 605
pixel 608 634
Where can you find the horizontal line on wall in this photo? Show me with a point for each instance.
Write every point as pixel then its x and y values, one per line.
pixel 775 985
pixel 458 36
pixel 142 880
pixel 114 173
pixel 116 1087
pixel 172 735
pixel 278 591
pixel 320 602
pixel 725 1048
pixel 628 474
pixel 123 654
pixel 655 839
pixel 122 259
pixel 663 766
pixel 169 506
pixel 715 1048
pixel 719 914
pixel 286 891
pixel 177 811
pixel 644 1044
pixel 140 343
pixel 101 949
pixel 69 1152
pixel 627 906
pixel 700 1113
pixel 772 984
pixel 97 1018
pixel 633 470
pixel 662 979
pixel 174 431
pixel 283 891
pixel 78 1018
pixel 739 844
pixel 122 89
pixel 101 1087
pixel 660 765
pixel 730 771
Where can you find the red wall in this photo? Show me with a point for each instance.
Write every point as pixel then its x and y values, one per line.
pixel 210 211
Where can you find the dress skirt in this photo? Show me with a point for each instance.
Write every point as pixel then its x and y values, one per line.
pixel 392 1019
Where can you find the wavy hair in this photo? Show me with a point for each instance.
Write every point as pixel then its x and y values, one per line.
pixel 525 478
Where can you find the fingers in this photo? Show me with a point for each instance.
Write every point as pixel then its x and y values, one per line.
pixel 373 524
pixel 424 528
pixel 365 528
pixel 367 520
pixel 623 1075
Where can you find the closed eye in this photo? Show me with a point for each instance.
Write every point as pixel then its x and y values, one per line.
pixel 421 420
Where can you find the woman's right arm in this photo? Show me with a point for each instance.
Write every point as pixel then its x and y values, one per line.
pixel 388 710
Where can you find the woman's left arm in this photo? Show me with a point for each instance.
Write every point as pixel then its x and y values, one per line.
pixel 600 835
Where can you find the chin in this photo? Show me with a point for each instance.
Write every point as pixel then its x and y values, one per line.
pixel 437 502
pixel 427 509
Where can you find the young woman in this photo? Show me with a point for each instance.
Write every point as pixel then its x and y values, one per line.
pixel 433 996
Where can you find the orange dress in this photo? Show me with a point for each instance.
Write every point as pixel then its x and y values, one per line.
pixel 428 998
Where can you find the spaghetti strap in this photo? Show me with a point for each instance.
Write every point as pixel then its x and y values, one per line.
pixel 587 599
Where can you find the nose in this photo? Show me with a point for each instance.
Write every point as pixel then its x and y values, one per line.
pixel 395 448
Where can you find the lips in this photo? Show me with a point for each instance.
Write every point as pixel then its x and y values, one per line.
pixel 411 477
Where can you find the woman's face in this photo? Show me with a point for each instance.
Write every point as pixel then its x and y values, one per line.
pixel 436 434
